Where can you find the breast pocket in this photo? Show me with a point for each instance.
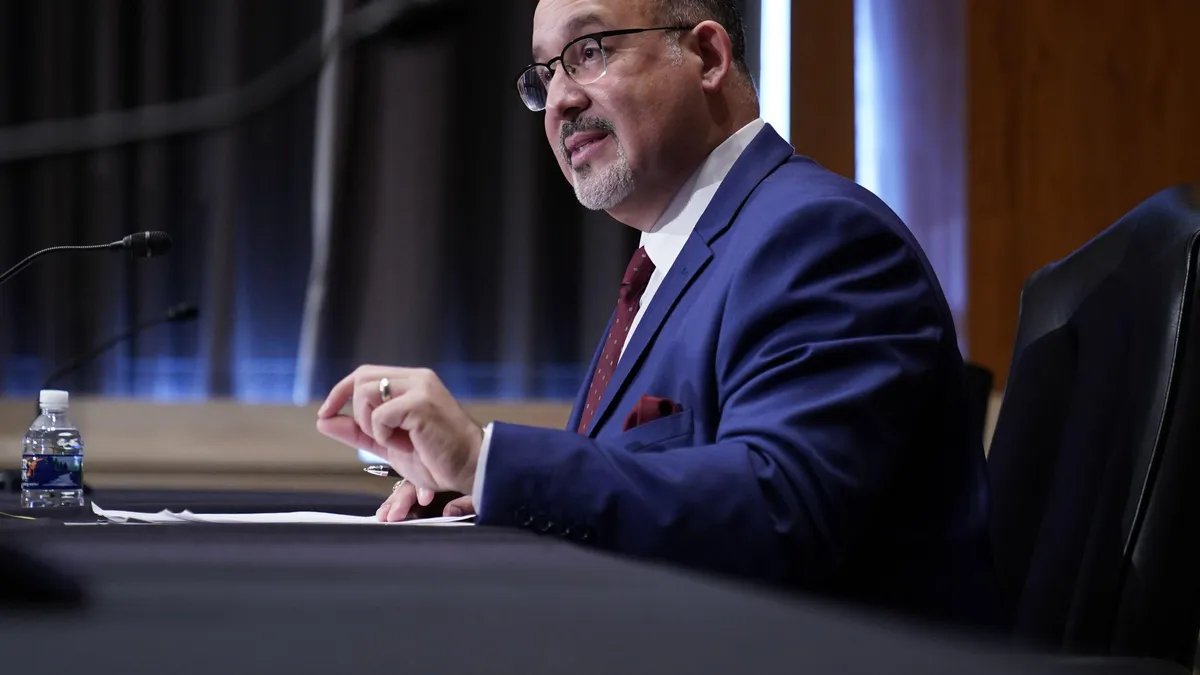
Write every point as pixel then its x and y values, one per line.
pixel 664 433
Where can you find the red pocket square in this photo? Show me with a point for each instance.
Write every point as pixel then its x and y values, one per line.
pixel 650 408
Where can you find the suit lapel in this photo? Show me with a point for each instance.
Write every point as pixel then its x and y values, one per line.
pixel 692 259
pixel 764 154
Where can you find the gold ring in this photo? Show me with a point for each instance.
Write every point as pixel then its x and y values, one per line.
pixel 385 390
pixel 400 482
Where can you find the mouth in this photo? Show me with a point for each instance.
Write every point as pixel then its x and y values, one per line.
pixel 581 146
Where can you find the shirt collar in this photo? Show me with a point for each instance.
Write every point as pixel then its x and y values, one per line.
pixel 665 240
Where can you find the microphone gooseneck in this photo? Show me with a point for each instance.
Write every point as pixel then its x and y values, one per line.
pixel 16 269
pixel 180 313
pixel 139 245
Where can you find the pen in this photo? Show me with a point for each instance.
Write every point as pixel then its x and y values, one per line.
pixel 382 470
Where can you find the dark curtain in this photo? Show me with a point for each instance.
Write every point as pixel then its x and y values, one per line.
pixel 455 242
pixel 234 201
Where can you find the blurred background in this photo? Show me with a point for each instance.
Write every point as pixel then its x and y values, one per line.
pixel 401 206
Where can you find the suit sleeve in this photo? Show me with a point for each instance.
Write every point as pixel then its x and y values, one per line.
pixel 830 342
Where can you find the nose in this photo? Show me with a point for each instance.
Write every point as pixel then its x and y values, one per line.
pixel 565 99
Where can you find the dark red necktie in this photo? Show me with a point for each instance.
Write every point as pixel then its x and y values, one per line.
pixel 637 275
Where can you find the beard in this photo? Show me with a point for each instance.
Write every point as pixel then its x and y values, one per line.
pixel 598 188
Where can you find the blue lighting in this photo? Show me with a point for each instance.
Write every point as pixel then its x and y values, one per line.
pixel 775 65
pixel 270 380
pixel 866 101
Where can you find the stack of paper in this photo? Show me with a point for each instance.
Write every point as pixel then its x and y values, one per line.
pixel 310 517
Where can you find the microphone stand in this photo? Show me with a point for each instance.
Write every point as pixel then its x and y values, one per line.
pixel 178 314
pixel 10 480
pixel 16 269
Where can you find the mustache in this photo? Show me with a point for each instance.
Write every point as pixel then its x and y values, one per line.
pixel 581 125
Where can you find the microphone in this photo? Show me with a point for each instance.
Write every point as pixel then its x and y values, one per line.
pixel 139 245
pixel 144 244
pixel 180 313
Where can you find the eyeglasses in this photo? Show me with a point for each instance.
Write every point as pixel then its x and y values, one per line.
pixel 583 59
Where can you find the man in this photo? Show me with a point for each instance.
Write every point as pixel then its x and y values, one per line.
pixel 781 353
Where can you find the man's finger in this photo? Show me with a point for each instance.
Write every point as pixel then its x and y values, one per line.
pixel 365 395
pixel 425 496
pixel 344 430
pixel 401 501
pixel 396 447
pixel 463 506
pixel 343 390
pixel 387 423
pixel 364 404
pixel 336 400
pixel 389 419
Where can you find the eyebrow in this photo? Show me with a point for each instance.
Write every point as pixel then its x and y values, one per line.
pixel 575 27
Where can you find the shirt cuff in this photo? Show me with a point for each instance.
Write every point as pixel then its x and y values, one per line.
pixel 481 468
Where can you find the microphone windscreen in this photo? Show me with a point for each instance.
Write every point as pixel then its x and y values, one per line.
pixel 184 311
pixel 148 244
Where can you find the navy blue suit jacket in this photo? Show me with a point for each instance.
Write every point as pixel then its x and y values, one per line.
pixel 823 442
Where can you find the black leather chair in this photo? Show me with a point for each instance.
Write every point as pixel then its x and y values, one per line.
pixel 1095 460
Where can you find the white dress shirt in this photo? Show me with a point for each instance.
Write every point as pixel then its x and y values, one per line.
pixel 663 242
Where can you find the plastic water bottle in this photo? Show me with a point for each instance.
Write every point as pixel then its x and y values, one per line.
pixel 52 457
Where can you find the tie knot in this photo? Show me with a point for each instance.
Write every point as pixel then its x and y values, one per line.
pixel 637 275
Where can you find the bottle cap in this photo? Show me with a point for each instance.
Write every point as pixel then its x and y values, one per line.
pixel 56 399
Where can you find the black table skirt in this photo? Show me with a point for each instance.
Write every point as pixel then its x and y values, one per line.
pixel 200 598
pixel 208 501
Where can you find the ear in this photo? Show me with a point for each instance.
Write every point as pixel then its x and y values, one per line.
pixel 716 54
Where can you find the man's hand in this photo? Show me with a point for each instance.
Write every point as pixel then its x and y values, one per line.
pixel 422 432
pixel 402 505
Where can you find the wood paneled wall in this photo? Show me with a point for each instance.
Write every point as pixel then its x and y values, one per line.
pixel 1076 113
pixel 1007 132
pixel 822 71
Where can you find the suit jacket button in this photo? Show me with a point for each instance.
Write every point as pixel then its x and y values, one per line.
pixel 581 533
pixel 541 523
pixel 522 517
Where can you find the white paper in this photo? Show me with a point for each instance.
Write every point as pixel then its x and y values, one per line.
pixel 163 516
pixel 306 517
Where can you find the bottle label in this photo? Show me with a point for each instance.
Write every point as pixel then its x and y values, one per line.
pixel 51 472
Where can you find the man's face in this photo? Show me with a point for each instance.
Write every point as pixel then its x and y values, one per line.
pixel 611 136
